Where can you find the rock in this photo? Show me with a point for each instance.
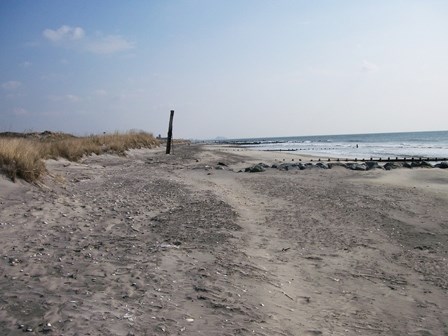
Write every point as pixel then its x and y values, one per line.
pixel 286 166
pixel 356 166
pixel 392 165
pixel 426 165
pixel 322 165
pixel 372 165
pixel 301 166
pixel 406 164
pixel 442 165
pixel 47 328
pixel 421 164
pixel 161 327
pixel 222 164
pixel 291 166
pixel 337 164
pixel 13 261
pixel 255 169
pixel 264 165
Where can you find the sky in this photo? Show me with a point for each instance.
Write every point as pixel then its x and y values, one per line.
pixel 229 68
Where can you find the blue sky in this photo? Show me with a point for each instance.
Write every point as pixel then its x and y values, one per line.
pixel 246 68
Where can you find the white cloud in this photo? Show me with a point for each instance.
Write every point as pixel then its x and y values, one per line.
pixel 25 64
pixel 53 77
pixel 14 95
pixel 72 98
pixel 369 67
pixel 64 33
pixel 325 72
pixel 65 98
pixel 101 93
pixel 109 45
pixel 11 85
pixel 76 38
pixel 31 44
pixel 19 111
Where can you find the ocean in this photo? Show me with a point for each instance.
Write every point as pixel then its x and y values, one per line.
pixel 379 145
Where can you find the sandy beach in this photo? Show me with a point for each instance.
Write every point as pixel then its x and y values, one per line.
pixel 185 244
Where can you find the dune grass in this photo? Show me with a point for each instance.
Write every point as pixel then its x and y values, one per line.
pixel 21 158
pixel 24 157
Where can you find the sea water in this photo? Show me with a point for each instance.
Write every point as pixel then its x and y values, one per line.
pixel 378 145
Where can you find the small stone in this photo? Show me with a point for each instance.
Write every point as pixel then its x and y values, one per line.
pixel 47 328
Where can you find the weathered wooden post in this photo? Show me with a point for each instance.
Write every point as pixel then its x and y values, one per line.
pixel 170 133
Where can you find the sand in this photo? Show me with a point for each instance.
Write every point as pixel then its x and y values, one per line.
pixel 150 244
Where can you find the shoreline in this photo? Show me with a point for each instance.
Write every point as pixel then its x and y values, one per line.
pixel 293 156
pixel 391 158
pixel 361 146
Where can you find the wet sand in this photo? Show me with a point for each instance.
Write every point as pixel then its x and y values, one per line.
pixel 151 244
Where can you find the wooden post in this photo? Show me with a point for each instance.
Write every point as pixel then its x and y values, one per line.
pixel 170 133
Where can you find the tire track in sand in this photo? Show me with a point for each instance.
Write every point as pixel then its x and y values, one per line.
pixel 272 286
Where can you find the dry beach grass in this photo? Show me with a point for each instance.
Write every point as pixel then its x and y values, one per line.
pixel 22 157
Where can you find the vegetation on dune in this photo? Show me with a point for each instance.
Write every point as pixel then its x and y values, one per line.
pixel 23 156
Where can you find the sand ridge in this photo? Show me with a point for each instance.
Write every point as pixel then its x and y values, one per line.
pixel 151 244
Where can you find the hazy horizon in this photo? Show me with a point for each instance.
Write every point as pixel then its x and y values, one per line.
pixel 235 69
pixel 332 135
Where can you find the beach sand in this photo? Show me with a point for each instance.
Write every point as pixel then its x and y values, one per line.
pixel 155 244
